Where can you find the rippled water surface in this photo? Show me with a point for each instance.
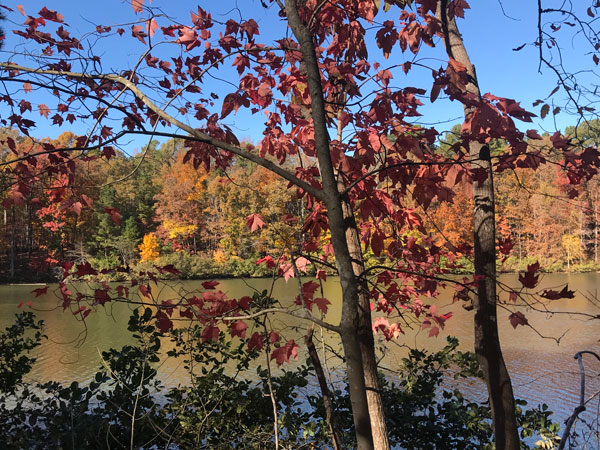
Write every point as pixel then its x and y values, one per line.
pixel 542 369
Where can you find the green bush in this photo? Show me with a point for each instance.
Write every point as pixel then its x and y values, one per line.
pixel 224 406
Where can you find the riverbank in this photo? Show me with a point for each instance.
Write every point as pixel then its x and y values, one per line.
pixel 201 267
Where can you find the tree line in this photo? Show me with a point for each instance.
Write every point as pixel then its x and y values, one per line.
pixel 168 211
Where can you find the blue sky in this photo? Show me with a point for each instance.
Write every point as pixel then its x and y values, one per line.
pixel 490 36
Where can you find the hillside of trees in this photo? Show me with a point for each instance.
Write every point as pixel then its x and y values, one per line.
pixel 167 211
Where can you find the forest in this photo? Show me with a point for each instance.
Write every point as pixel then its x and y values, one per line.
pixel 347 142
pixel 123 213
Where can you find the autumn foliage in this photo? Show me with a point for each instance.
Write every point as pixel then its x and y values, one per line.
pixel 342 180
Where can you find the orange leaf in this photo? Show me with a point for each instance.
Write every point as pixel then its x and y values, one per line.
pixel 21 9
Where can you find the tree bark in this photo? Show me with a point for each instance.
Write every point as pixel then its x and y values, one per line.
pixel 349 323
pixel 13 242
pixel 365 334
pixel 487 342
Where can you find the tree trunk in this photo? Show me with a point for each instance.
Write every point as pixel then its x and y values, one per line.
pixel 349 323
pixel 13 242
pixel 365 335
pixel 487 343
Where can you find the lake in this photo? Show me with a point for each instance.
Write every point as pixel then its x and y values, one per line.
pixel 541 369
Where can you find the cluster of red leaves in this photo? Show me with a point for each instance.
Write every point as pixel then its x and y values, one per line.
pixel 272 79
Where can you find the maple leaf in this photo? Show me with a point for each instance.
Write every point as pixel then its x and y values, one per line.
pixel 283 354
pixel 210 284
pixel 145 290
pixel 52 16
pixel 255 342
pixel 40 291
pixel 254 222
pixel 518 318
pixel 238 328
pixel 101 296
pixel 287 271
pixel 21 9
pixel 456 8
pixel 529 279
pixel 273 337
pixel 85 269
pixel 169 268
pixel 210 333
pixel 244 302
pixel 137 5
pixel 268 261
pixel 151 27
pixel 114 214
pixel 189 38
pixel 380 324
pixel 122 291
pixel 434 332
pixel 321 275
pixel 163 322
pixel 505 245
pixel 322 304
pixel 76 207
pixel 27 87
pixel 556 295
pixel 44 110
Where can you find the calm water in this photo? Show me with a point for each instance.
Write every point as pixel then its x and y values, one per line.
pixel 541 369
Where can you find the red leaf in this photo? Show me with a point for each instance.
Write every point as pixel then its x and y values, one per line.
pixel 210 284
pixel 505 245
pixel 76 207
pixel 210 333
pixel 238 328
pixel 27 87
pixel 380 324
pixel 122 291
pixel 517 318
pixel 321 275
pixel 268 261
pixel 529 279
pixel 163 322
pixel 457 66
pixel 53 16
pixel 283 354
pixel 254 222
pixel 322 304
pixel 44 110
pixel 302 263
pixel 85 269
pixel 40 291
pixel 244 302
pixel 114 214
pixel 555 295
pixel 169 268
pixel 377 243
pixel 255 342
pixel 145 290
pixel 151 27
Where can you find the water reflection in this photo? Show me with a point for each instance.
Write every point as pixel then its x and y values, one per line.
pixel 542 369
